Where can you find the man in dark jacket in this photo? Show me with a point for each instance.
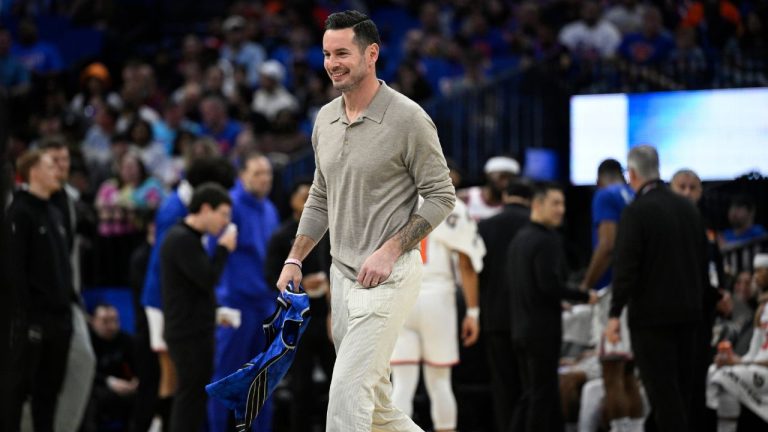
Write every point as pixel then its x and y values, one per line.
pixel 81 364
pixel 537 273
pixel 188 276
pixel 497 233
pixel 41 272
pixel 660 275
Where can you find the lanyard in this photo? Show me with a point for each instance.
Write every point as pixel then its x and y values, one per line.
pixel 651 185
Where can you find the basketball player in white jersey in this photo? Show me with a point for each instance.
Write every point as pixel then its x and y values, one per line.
pixel 429 336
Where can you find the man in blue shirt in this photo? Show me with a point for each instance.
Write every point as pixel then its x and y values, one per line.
pixel 612 196
pixel 243 285
pixel 622 403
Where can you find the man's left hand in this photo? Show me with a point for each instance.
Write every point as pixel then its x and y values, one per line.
pixel 377 267
pixel 470 331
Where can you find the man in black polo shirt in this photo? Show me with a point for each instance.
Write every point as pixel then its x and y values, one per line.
pixel 537 273
pixel 660 274
pixel 188 275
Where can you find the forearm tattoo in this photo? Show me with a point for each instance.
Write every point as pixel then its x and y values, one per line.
pixel 411 234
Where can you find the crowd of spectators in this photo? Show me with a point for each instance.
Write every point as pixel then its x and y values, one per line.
pixel 251 76
pixel 263 63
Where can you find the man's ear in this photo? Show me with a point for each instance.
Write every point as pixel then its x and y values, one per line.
pixel 632 174
pixel 205 208
pixel 536 202
pixel 373 53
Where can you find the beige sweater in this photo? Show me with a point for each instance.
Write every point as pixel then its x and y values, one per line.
pixel 369 175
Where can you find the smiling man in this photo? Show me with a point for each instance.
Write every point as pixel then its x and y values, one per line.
pixel 376 151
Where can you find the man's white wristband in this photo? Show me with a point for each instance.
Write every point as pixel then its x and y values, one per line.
pixel 293 261
pixel 473 312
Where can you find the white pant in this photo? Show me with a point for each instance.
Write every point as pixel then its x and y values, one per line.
pixel 365 325
pixel 81 368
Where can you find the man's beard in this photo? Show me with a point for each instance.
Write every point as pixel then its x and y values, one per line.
pixel 353 83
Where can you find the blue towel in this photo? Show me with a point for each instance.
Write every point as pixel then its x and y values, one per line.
pixel 246 390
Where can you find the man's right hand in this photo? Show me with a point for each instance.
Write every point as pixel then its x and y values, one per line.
pixel 290 273
pixel 613 331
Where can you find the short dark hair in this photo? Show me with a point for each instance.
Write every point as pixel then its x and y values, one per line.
pixel 217 170
pixel 541 189
pixel 242 162
pixel 209 193
pixel 519 188
pixel 744 200
pixel 610 167
pixel 364 28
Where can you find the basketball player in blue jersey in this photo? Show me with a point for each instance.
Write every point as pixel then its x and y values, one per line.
pixel 622 402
